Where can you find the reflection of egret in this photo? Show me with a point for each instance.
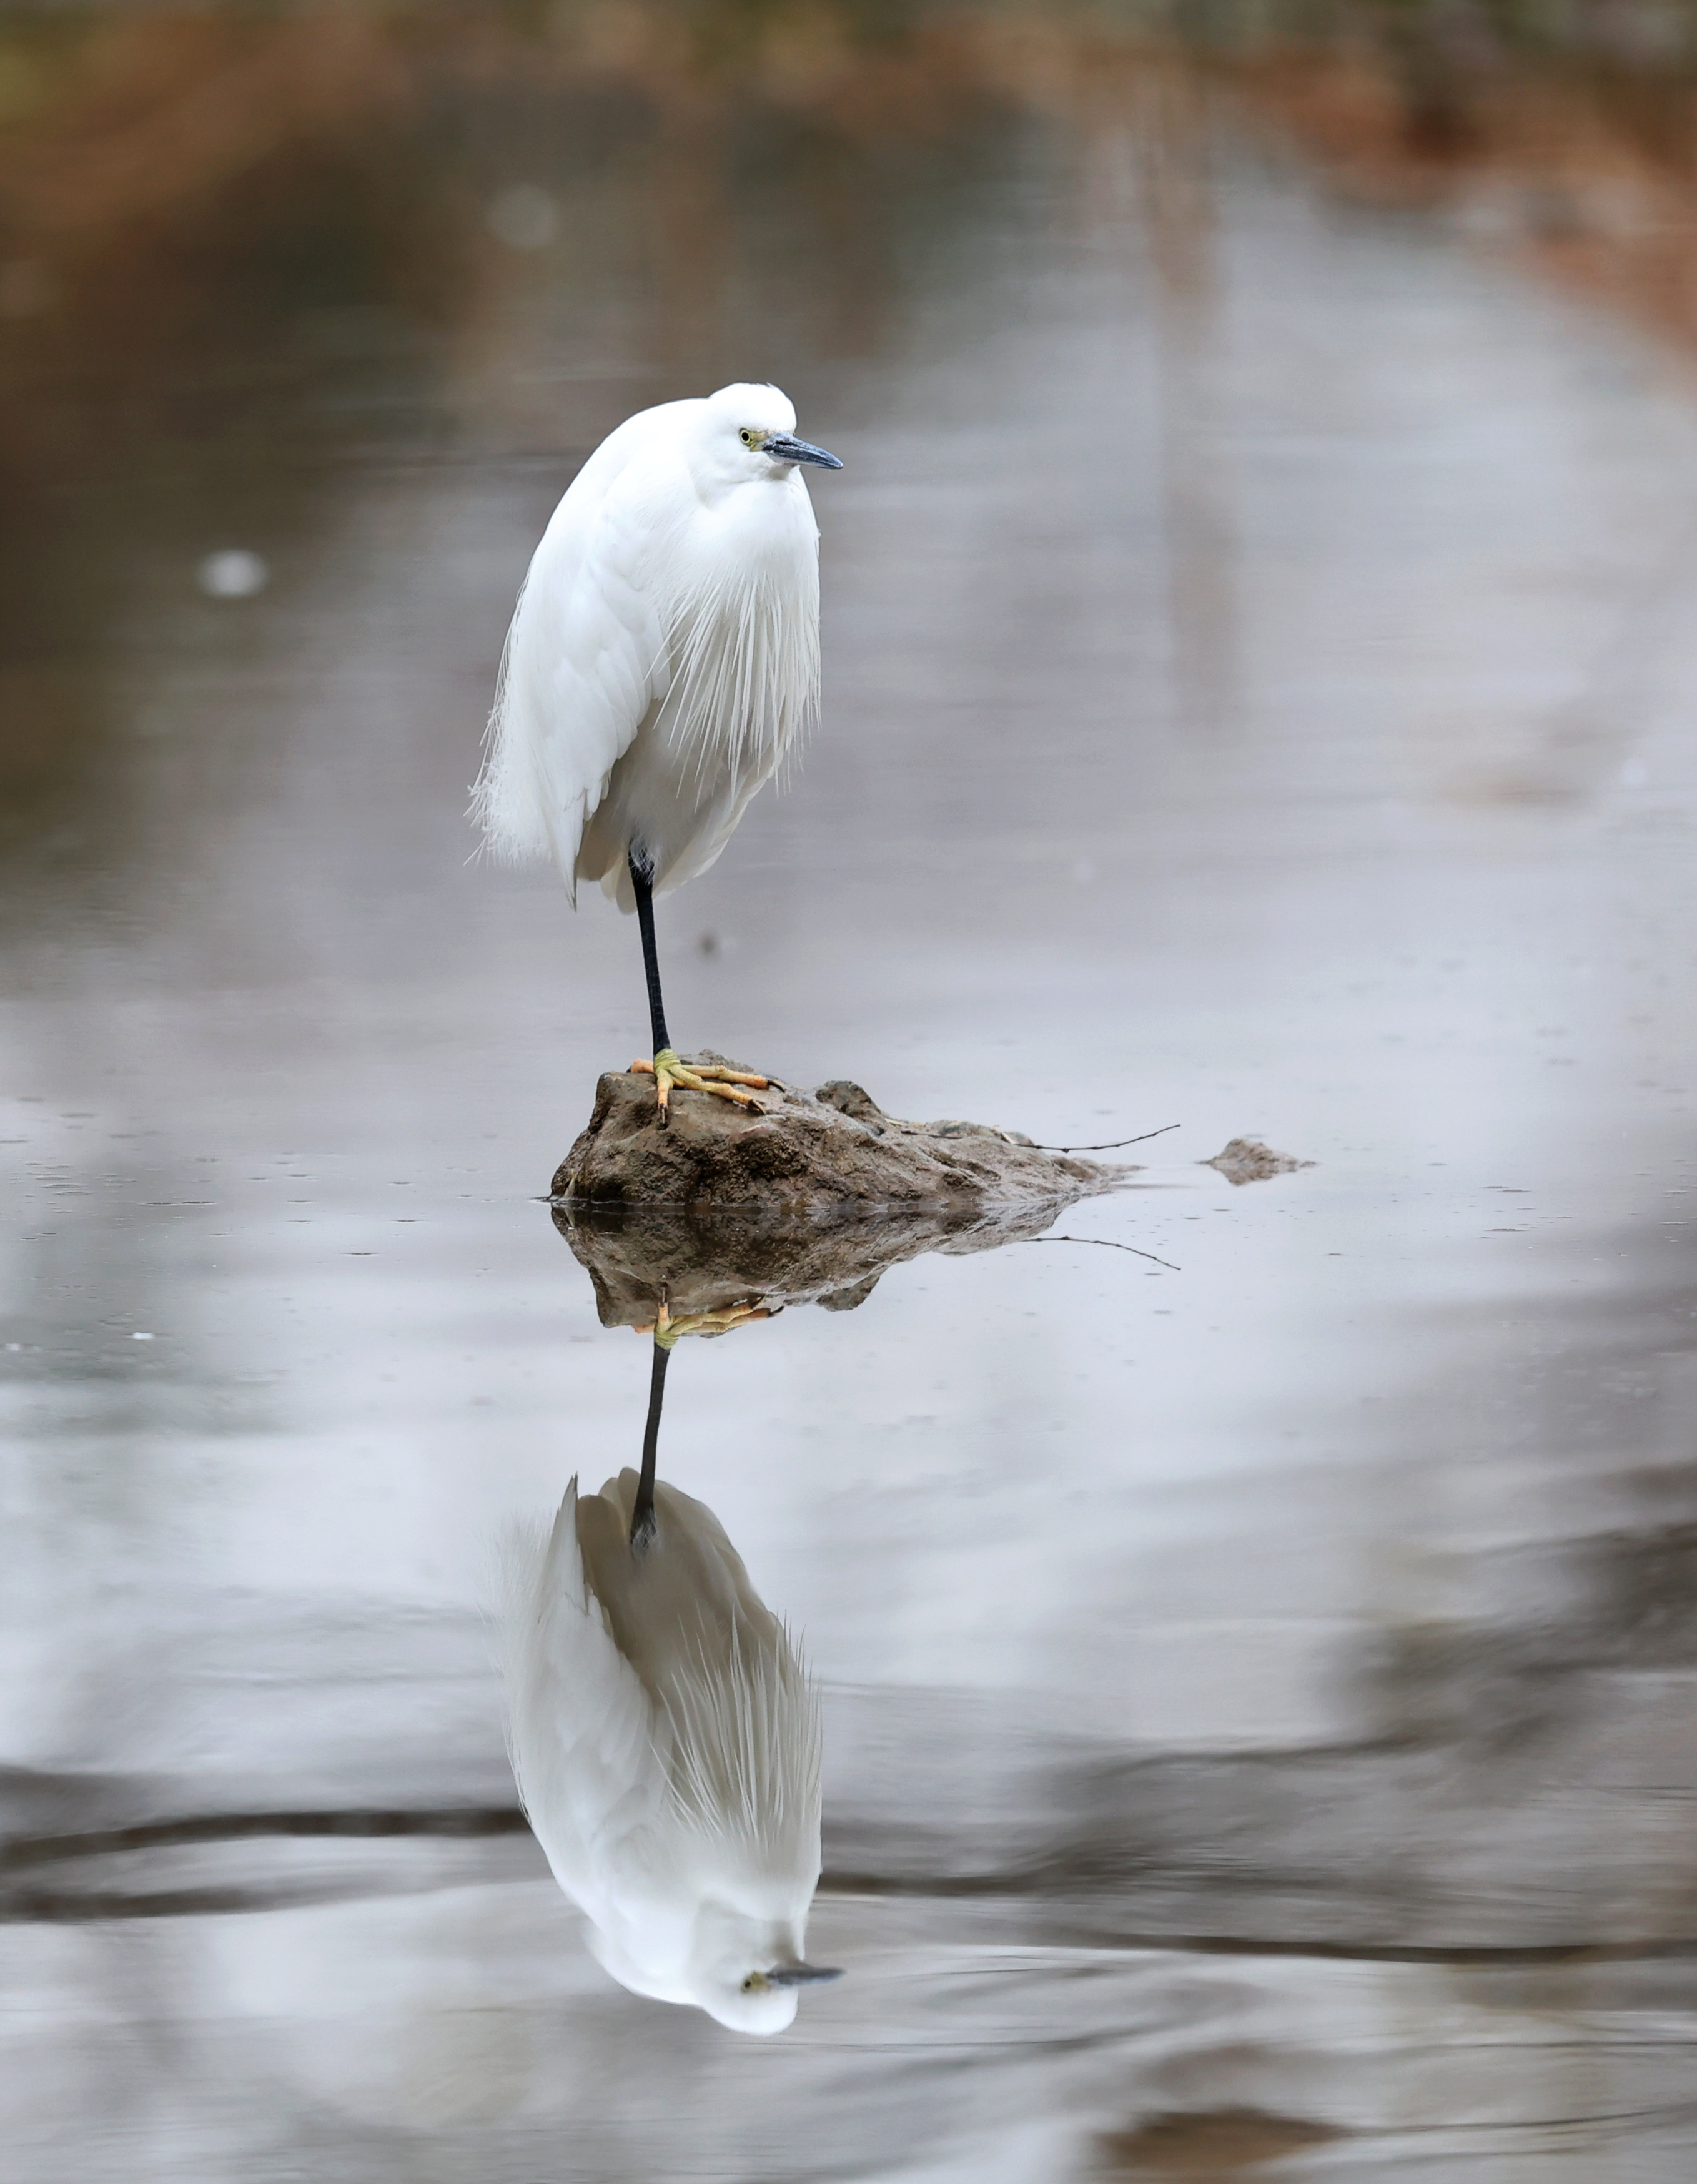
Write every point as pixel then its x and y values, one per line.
pixel 665 1739
pixel 663 656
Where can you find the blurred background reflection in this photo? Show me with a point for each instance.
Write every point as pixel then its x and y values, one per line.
pixel 1257 1681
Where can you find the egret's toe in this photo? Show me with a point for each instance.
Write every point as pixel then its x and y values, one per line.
pixel 722 1075
pixel 669 1070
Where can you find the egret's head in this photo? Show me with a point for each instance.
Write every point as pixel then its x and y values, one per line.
pixel 752 431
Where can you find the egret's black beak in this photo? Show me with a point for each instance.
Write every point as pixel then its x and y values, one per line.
pixel 785 448
pixel 803 1974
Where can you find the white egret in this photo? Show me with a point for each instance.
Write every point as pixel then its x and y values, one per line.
pixel 665 1741
pixel 663 657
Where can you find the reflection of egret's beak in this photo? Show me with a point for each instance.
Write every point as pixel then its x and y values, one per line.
pixel 801 1974
pixel 785 448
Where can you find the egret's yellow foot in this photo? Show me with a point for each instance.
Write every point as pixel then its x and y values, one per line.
pixel 666 1330
pixel 668 1070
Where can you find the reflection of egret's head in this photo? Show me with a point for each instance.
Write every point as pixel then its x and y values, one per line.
pixel 666 1738
pixel 737 1972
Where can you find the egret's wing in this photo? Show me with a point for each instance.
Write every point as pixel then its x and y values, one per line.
pixel 580 1725
pixel 586 660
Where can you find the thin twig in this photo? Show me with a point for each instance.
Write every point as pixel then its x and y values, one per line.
pixel 1108 1244
pixel 1114 1147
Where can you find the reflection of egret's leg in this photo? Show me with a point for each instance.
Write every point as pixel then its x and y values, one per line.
pixel 668 1070
pixel 642 1509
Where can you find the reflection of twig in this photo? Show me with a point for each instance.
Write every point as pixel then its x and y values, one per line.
pixel 1108 1244
pixel 1112 1148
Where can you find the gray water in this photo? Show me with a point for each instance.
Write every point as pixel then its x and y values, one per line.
pixel 1260 1687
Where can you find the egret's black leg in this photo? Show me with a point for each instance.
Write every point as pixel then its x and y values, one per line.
pixel 642 1509
pixel 667 1069
pixel 642 879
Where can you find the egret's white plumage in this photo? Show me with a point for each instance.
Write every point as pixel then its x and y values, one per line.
pixel 665 1739
pixel 664 654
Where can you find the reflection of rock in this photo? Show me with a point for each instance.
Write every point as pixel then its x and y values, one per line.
pixel 836 1147
pixel 704 1261
pixel 1247 1160
pixel 1222 2143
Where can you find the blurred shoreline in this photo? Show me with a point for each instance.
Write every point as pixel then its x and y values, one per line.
pixel 1565 134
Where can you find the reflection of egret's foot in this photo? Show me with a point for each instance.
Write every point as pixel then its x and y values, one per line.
pixel 668 1070
pixel 666 1330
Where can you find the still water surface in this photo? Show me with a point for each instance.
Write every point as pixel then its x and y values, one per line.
pixel 1258 1690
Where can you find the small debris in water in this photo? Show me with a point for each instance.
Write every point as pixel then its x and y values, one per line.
pixel 233 574
pixel 1247 1160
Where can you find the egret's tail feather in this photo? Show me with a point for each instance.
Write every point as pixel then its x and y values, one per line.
pixel 505 804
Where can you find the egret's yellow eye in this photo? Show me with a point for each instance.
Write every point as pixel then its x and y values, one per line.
pixel 749 438
pixel 754 1984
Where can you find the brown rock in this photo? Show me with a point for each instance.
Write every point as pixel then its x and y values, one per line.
pixel 808 1150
